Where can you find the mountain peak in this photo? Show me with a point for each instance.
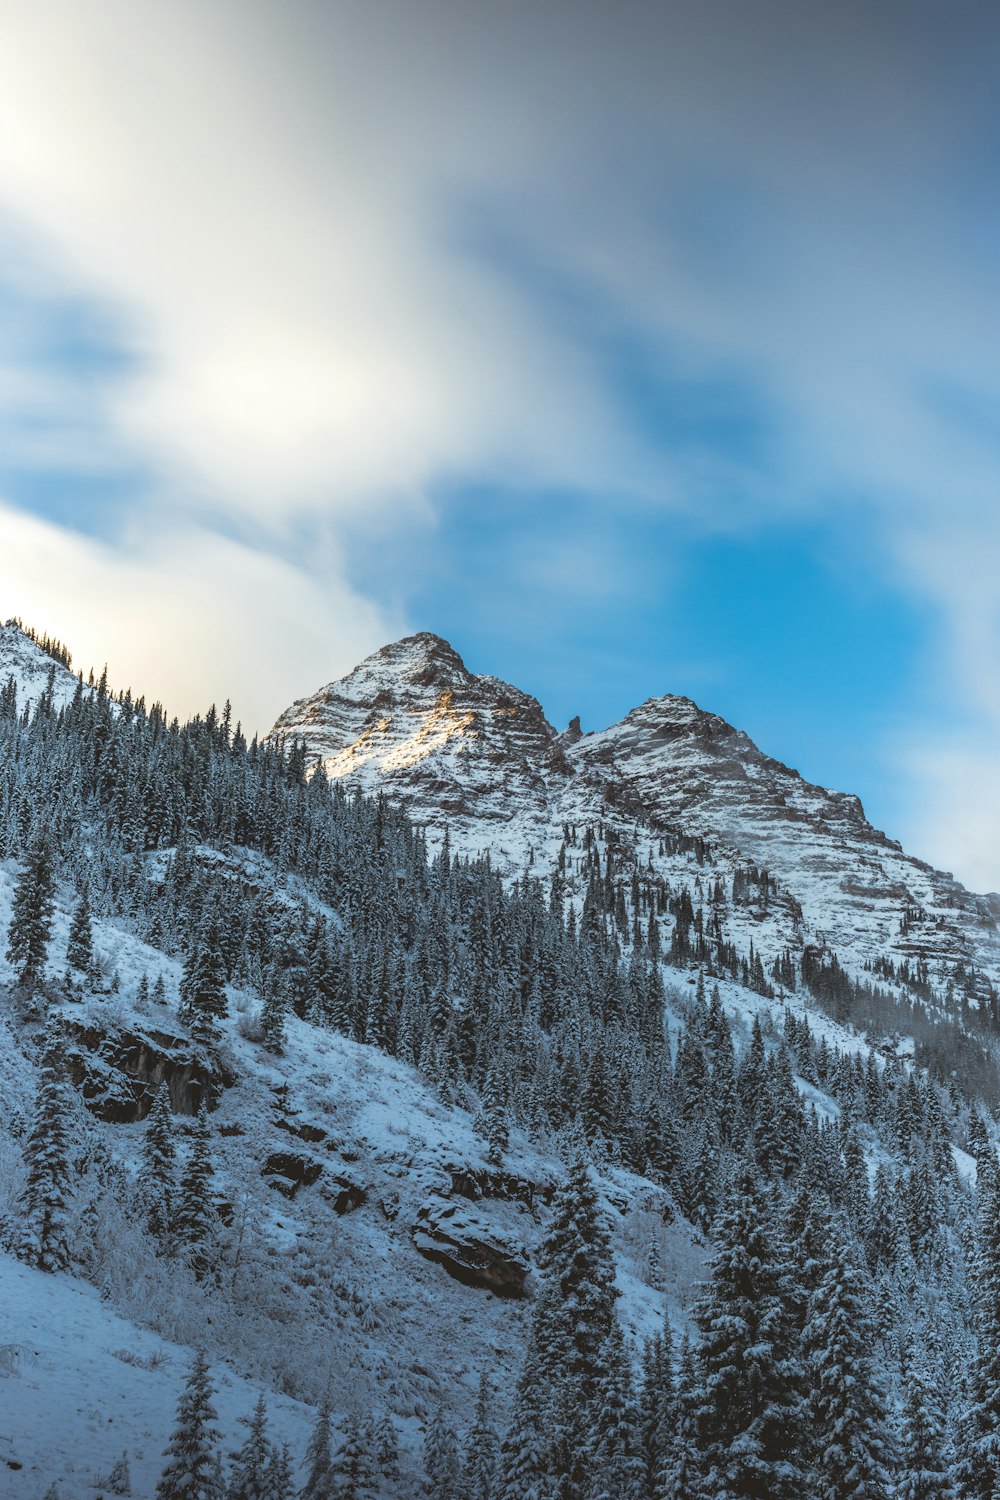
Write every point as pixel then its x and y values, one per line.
pixel 423 660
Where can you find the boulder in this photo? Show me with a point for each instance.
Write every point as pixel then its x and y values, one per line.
pixel 471 1249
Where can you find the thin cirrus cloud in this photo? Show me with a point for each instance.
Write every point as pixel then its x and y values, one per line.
pixel 655 256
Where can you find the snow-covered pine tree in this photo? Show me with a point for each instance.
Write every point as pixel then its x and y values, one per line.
pixel 119 1481
pixel 386 1447
pixel 493 1121
pixel 80 945
pixel 31 917
pixel 750 1418
pixel 319 1458
pixel 657 1408
pixel 47 1155
pixel 194 1217
pixel 847 1407
pixel 203 986
pixel 250 1478
pixel 442 1466
pixel 480 1459
pixel 191 1470
pixel 978 1470
pixel 280 1473
pixel 616 1461
pixel 354 1471
pixel 159 1166
pixel 272 1017
pixel 924 1473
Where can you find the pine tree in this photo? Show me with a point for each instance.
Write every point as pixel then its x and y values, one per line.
pixel 979 1466
pixel 119 1481
pixel 847 1408
pixel 80 946
pixel 191 1470
pixel 524 1468
pixel 280 1475
pixel 159 1179
pixel 250 1479
pixel 387 1452
pixel 272 1018
pixel 353 1470
pixel 194 1220
pixel 616 1462
pixel 493 1121
pixel 924 1471
pixel 47 1154
pixel 203 987
pixel 480 1461
pixel 749 1409
pixel 658 1411
pixel 31 918
pixel 442 1468
pixel 319 1462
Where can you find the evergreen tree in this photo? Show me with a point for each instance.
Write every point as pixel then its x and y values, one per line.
pixel 251 1479
pixel 280 1475
pixel 480 1461
pixel 191 1470
pixel 272 1018
pixel 979 1466
pixel 848 1413
pixel 749 1410
pixel 47 1155
pixel 80 947
pixel 203 987
pixel 617 1467
pixel 194 1220
pixel 319 1462
pixel 31 917
pixel 387 1452
pixel 924 1471
pixel 353 1471
pixel 119 1481
pixel 159 1184
pixel 442 1467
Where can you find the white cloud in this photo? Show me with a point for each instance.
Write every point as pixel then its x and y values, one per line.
pixel 270 198
pixel 186 616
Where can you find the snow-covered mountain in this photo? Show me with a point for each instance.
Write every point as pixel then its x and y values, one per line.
pixel 278 1087
pixel 476 756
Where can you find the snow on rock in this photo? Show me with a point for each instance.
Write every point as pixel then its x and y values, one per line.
pixel 471 1248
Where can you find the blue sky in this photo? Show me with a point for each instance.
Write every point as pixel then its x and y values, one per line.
pixel 635 349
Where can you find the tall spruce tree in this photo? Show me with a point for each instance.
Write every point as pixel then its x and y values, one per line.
pixel 191 1471
pixel 319 1458
pixel 924 1471
pixel 251 1477
pixel 750 1411
pixel 80 945
pixel 159 1167
pixel 47 1154
pixel 848 1423
pixel 442 1466
pixel 480 1461
pixel 194 1220
pixel 979 1460
pixel 31 917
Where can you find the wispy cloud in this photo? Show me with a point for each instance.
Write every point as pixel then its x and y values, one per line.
pixel 353 255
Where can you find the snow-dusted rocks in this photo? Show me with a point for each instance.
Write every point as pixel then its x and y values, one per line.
pixel 471 1248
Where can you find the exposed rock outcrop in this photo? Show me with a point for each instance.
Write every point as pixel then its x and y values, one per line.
pixel 471 1249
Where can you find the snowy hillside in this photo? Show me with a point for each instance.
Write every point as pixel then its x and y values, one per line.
pixel 456 1162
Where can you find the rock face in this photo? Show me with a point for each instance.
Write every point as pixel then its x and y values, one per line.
pixel 118 1072
pixel 471 1249
pixel 674 793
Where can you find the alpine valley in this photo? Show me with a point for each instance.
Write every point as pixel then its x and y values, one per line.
pixel 424 1101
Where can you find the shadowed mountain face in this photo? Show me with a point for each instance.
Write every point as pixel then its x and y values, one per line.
pixel 476 756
